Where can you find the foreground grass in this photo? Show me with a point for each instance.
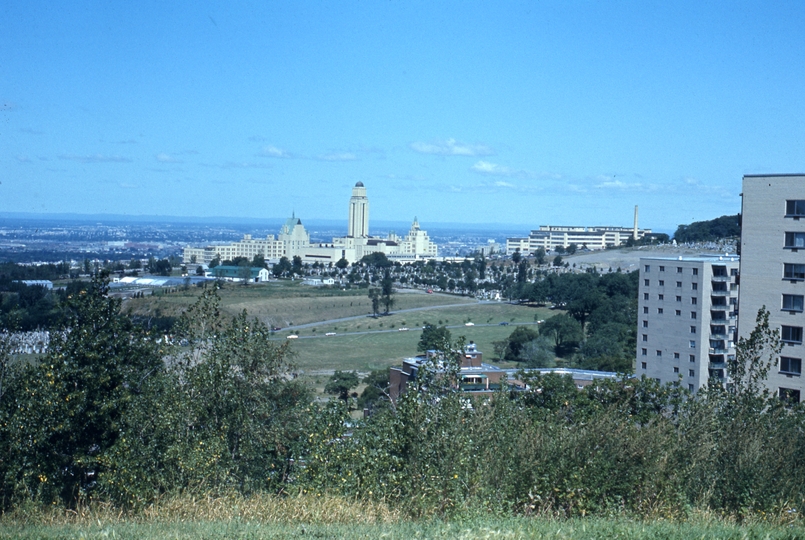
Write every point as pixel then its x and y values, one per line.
pixel 308 516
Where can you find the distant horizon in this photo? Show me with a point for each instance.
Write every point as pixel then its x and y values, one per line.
pixel 276 221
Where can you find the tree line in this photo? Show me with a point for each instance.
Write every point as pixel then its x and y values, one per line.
pixel 113 413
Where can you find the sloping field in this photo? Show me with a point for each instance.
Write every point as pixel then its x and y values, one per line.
pixel 367 343
pixel 284 303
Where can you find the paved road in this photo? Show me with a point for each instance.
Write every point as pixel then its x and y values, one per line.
pixel 319 323
pixel 393 330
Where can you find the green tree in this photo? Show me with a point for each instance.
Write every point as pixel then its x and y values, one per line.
pixel 433 338
pixel 76 400
pixel 517 340
pixel 376 392
pixel 342 263
pixel 216 261
pixel 374 296
pixel 376 259
pixel 340 384
pixel 259 261
pixel 557 261
pixel 540 256
pixel 387 291
pixel 538 353
pixel 282 267
pixel 296 266
pixel 565 331
pixel 516 256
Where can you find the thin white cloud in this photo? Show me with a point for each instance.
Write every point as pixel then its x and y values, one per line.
pixel 162 157
pixel 501 183
pixel 95 158
pixel 274 152
pixel 242 165
pixel 493 169
pixel 617 184
pixel 451 147
pixel 338 156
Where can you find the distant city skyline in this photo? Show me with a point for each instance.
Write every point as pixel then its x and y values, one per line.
pixel 517 113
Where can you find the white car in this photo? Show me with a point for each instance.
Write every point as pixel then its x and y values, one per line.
pixel 402 329
pixel 293 336
pixel 330 334
pixel 469 324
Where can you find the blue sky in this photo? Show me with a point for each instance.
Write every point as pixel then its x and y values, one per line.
pixel 511 112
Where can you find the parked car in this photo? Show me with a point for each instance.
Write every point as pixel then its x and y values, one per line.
pixel 469 324
pixel 293 336
pixel 330 334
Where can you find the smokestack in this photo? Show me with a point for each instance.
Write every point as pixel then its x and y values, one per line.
pixel 634 232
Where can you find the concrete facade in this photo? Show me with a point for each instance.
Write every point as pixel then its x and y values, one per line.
pixel 773 269
pixel 687 318
pixel 551 237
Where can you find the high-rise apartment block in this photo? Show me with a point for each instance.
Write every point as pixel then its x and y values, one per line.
pixel 687 318
pixel 773 270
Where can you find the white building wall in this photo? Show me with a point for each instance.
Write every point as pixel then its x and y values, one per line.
pixel 767 265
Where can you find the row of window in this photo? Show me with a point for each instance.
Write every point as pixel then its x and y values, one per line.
pixel 694 271
pixel 661 283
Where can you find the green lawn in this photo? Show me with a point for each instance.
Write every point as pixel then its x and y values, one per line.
pixel 284 303
pixel 382 348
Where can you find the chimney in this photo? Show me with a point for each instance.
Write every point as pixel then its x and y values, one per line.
pixel 634 231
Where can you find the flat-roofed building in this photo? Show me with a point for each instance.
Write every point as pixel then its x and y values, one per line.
pixel 687 318
pixel 773 270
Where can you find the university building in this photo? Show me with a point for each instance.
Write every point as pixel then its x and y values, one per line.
pixel 687 318
pixel 293 240
pixel 773 270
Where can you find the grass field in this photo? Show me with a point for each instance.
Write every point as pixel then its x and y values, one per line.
pixel 285 303
pixel 362 344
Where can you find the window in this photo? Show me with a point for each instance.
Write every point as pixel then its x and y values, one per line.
pixel 645 310
pixel 692 314
pixel 645 324
pixel 790 395
pixel 678 269
pixel 678 312
pixel 662 283
pixel 733 272
pixel 676 356
pixel 659 311
pixel 694 286
pixel 691 373
pixel 643 365
pixel 692 344
pixel 678 298
pixel 794 240
pixel 676 369
pixel 690 387
pixel 647 268
pixel 794 272
pixel 790 366
pixel 695 271
pixel 694 300
pixel 794 208
pixel 660 297
pixel 645 337
pixel 793 302
pixel 692 329
pixel 659 353
pixel 662 269
pixel 644 352
pixel 678 283
pixel 646 282
pixel 791 334
pixel 692 358
pixel 645 296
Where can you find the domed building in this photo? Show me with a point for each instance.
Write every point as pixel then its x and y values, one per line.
pixel 293 240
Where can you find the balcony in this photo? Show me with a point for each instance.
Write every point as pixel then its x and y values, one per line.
pixel 719 293
pixel 719 335
pixel 721 279
pixel 717 350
